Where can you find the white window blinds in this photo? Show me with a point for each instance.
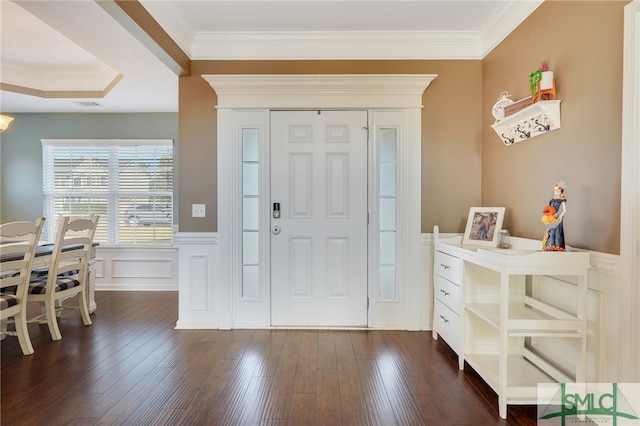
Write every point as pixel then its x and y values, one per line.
pixel 129 183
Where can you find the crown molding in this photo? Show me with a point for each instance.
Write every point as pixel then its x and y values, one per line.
pixel 391 45
pixel 97 77
pixel 320 91
pixel 315 45
pixel 165 14
pixel 503 21
pixel 318 45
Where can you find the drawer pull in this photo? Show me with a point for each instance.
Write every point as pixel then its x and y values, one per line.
pixel 444 319
pixel 444 292
pixel 445 266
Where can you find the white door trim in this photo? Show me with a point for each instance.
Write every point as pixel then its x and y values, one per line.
pixel 401 93
pixel 298 91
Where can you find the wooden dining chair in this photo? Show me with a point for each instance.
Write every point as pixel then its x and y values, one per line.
pixel 18 242
pixel 66 276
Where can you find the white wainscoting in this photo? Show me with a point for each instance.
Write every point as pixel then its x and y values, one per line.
pixel 205 293
pixel 122 268
pixel 203 301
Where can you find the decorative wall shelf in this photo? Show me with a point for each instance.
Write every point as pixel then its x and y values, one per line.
pixel 532 121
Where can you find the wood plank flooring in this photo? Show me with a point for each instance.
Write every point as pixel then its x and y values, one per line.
pixel 132 368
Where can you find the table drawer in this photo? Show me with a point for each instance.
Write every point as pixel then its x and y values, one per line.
pixel 448 293
pixel 447 323
pixel 447 266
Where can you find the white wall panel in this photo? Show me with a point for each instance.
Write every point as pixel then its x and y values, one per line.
pixel 141 268
pixel 300 134
pixel 198 293
pixel 199 282
pixel 337 185
pixel 301 190
pixel 99 265
pixel 301 267
pixel 337 268
pixel 136 268
pixel 337 134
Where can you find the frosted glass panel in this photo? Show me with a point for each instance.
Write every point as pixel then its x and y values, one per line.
pixel 250 179
pixel 250 214
pixel 387 282
pixel 387 180
pixel 387 145
pixel 387 214
pixel 387 248
pixel 249 144
pixel 250 247
pixel 250 282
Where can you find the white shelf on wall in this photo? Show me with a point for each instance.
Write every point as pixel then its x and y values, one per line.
pixel 534 120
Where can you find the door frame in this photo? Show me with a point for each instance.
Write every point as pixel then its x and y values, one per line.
pixel 392 100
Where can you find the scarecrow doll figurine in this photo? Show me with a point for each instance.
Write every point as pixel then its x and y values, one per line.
pixel 552 218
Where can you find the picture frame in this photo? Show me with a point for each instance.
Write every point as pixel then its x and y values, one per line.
pixel 483 225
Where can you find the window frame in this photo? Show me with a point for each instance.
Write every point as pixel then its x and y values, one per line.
pixel 113 194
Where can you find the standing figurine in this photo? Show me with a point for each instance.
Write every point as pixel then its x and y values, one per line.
pixel 554 213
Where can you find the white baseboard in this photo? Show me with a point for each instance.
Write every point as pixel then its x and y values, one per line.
pixel 133 286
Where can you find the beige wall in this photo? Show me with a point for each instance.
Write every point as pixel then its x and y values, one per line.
pixel 451 146
pixel 464 162
pixel 447 145
pixel 196 154
pixel 583 41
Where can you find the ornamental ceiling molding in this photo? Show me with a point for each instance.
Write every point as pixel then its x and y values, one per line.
pixel 86 82
pixel 316 45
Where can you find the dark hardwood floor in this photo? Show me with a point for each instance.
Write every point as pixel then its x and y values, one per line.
pixel 132 368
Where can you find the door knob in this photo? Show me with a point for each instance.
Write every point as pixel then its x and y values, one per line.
pixel 275 229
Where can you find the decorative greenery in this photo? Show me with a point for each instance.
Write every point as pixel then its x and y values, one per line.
pixel 536 76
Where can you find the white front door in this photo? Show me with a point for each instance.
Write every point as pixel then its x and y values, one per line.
pixel 319 229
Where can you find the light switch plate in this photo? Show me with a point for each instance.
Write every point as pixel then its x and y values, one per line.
pixel 198 210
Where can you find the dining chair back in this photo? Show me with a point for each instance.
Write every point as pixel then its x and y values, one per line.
pixel 66 276
pixel 18 242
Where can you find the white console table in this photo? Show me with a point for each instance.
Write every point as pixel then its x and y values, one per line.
pixel 485 311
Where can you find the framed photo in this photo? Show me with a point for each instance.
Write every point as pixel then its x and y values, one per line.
pixel 483 225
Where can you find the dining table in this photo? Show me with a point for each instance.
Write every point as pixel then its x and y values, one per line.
pixel 42 259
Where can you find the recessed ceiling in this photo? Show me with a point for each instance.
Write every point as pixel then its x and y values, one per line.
pixel 62 56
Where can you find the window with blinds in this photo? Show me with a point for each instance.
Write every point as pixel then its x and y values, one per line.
pixel 129 183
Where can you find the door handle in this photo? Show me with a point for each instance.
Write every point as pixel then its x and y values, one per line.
pixel 276 210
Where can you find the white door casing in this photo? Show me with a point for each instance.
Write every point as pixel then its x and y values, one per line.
pixel 319 233
pixel 393 101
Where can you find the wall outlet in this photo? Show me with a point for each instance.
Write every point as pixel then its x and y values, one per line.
pixel 198 210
